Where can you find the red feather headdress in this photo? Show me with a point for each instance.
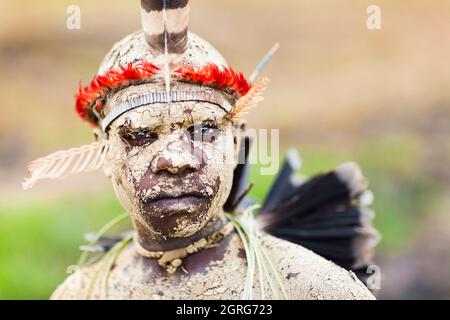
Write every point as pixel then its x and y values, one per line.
pixel 94 95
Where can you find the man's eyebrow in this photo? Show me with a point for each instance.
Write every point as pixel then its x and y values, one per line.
pixel 209 121
pixel 202 116
pixel 129 125
pixel 123 127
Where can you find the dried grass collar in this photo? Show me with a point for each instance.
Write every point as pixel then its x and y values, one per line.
pixel 171 260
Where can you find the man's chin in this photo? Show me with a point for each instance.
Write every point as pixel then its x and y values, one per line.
pixel 181 226
pixel 174 221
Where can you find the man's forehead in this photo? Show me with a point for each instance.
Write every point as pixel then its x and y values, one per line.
pixel 158 113
pixel 168 113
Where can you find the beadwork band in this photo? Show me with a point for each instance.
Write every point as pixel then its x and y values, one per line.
pixel 163 97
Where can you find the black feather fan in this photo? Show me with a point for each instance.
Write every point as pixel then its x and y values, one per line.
pixel 323 214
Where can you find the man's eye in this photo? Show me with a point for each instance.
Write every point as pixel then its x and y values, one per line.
pixel 140 138
pixel 205 133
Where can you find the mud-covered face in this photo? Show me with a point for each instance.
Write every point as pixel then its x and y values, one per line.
pixel 172 165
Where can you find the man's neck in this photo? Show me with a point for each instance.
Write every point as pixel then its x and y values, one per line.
pixel 153 242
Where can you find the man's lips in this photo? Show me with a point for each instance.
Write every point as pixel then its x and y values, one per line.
pixel 173 195
pixel 175 202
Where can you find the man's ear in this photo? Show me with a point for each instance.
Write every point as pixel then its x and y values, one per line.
pixel 240 175
pixel 107 167
pixel 238 137
pixel 99 135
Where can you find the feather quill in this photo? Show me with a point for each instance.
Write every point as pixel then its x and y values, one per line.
pixel 61 164
pixel 166 51
pixel 245 104
pixel 269 55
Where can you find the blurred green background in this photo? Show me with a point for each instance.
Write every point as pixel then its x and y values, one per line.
pixel 339 92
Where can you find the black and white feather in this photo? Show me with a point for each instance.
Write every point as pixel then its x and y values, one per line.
pixel 325 214
pixel 165 24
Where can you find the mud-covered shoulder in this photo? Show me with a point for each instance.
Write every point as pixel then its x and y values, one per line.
pixel 310 276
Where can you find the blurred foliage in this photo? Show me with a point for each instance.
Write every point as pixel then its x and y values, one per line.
pixel 39 240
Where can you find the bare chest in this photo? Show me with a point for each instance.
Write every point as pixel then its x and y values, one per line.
pixel 216 273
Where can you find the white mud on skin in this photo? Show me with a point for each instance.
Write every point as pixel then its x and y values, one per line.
pixel 134 169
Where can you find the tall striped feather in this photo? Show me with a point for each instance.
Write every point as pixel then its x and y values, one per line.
pixel 165 24
pixel 61 164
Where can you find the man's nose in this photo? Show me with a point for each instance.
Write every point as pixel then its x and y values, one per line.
pixel 177 155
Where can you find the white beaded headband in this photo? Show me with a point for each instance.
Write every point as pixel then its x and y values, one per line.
pixel 164 97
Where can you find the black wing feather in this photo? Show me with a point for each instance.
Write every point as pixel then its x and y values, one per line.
pixel 323 214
